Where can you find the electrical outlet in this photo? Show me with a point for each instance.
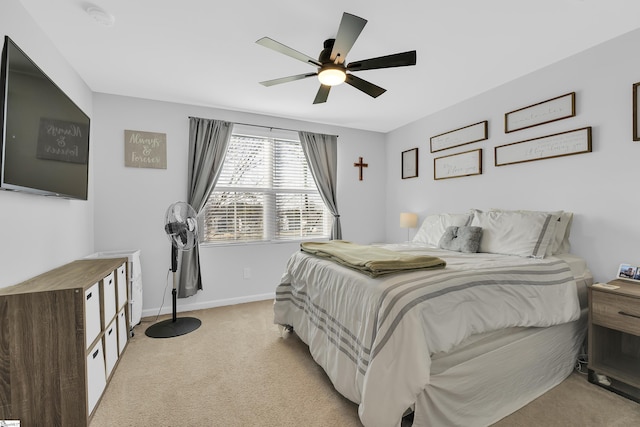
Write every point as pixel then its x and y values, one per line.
pixel 246 273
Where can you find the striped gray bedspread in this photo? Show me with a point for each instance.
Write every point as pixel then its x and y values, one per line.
pixel 374 336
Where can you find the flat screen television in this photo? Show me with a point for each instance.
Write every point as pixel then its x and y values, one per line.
pixel 44 146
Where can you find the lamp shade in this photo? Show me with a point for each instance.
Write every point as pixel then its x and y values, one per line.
pixel 408 220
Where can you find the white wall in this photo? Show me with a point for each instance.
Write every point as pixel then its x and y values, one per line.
pixel 599 187
pixel 130 203
pixel 39 233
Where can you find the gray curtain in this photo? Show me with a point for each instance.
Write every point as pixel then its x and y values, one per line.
pixel 321 152
pixel 208 142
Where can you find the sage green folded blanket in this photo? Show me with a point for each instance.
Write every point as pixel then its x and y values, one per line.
pixel 371 260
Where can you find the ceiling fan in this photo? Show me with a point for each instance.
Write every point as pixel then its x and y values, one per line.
pixel 331 62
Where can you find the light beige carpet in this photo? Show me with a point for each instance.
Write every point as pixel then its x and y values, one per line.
pixel 236 370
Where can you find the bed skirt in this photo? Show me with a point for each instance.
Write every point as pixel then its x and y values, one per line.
pixel 493 375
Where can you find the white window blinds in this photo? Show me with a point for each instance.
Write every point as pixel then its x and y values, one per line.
pixel 265 193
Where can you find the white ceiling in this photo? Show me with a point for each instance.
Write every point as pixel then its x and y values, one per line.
pixel 203 52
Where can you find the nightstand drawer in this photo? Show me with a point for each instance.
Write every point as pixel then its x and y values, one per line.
pixel 616 312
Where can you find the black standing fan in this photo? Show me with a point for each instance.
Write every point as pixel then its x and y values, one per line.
pixel 181 226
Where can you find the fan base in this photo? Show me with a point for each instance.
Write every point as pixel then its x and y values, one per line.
pixel 173 328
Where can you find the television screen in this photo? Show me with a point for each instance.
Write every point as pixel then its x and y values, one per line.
pixel 45 136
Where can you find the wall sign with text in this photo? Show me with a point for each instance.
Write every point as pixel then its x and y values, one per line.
pixel 548 111
pixel 567 143
pixel 458 165
pixel 145 149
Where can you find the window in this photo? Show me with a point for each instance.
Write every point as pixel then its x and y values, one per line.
pixel 265 192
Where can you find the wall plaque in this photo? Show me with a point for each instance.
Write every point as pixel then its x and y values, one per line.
pixel 145 149
pixel 547 111
pixel 457 165
pixel 466 135
pixel 567 143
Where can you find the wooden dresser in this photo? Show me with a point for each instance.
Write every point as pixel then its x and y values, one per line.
pixel 61 335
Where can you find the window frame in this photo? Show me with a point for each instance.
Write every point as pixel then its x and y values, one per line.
pixel 271 192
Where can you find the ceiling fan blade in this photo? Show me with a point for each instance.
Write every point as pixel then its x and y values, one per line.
pixel 287 79
pixel 395 60
pixel 350 28
pixel 363 85
pixel 322 95
pixel 279 47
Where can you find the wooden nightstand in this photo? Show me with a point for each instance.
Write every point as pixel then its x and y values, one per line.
pixel 614 338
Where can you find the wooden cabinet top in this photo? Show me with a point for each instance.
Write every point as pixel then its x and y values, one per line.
pixel 630 289
pixel 82 274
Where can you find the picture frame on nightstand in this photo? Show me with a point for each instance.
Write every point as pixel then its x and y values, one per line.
pixel 629 272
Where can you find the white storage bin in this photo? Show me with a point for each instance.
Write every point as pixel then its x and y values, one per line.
pixel 121 280
pixel 135 280
pixel 92 314
pixel 96 379
pixel 111 346
pixel 123 330
pixel 109 293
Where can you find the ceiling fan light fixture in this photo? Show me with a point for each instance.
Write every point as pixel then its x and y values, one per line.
pixel 332 76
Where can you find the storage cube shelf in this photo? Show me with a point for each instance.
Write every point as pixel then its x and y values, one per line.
pixel 63 333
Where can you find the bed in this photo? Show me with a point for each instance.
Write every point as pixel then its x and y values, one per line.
pixel 466 344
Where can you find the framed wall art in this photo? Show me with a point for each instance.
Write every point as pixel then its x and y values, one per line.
pixel 576 141
pixel 465 135
pixel 410 163
pixel 457 165
pixel 628 272
pixel 636 111
pixel 553 109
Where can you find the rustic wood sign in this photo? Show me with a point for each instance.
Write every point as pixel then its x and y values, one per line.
pixel 466 135
pixel 567 143
pixel 457 165
pixel 548 111
pixel 145 149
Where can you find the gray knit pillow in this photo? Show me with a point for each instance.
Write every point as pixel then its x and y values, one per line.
pixel 461 239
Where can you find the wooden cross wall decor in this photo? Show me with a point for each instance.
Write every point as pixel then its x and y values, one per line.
pixel 360 165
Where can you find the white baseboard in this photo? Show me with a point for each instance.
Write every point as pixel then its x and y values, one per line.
pixel 208 304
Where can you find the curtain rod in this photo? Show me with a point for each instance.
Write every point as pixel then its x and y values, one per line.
pixel 266 127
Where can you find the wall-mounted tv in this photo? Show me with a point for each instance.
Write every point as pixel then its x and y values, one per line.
pixel 44 146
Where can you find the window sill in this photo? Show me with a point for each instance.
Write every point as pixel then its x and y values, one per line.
pixel 261 242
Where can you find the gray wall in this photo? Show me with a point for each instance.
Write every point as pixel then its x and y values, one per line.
pixel 599 187
pixel 40 233
pixel 130 203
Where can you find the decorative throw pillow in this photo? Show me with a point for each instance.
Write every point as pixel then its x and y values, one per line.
pixel 461 239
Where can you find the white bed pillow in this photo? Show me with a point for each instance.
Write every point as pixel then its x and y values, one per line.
pixel 560 243
pixel 521 233
pixel 434 226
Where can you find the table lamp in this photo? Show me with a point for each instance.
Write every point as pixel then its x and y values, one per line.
pixel 408 220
